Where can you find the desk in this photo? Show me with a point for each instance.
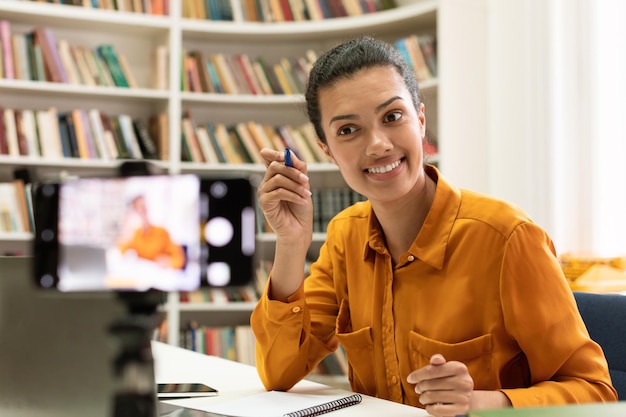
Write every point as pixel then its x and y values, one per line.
pixel 235 380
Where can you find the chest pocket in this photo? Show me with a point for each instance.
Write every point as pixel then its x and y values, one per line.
pixel 474 353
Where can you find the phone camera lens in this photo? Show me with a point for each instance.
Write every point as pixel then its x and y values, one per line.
pixel 47 235
pixel 219 189
pixel 47 281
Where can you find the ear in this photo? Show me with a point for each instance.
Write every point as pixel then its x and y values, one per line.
pixel 422 118
pixel 324 147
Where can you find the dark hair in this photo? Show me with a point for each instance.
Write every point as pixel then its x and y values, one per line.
pixel 345 60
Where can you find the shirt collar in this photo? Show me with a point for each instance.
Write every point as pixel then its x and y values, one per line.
pixel 432 240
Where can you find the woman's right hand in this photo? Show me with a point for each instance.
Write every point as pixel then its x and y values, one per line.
pixel 285 198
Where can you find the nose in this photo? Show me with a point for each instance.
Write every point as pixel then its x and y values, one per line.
pixel 378 143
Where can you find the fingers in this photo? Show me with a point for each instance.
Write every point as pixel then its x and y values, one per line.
pixel 445 388
pixel 287 158
pixel 282 182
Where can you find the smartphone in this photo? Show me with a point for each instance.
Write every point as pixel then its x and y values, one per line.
pixel 188 390
pixel 164 232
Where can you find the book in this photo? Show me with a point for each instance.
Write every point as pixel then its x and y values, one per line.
pixel 6 49
pixel 10 215
pixel 158 125
pixel 64 135
pixel 160 71
pixel 68 62
pixel 112 128
pixel 22 142
pixel 226 77
pixel 86 75
pixel 22 205
pixel 147 144
pixel 428 45
pixel 245 64
pixel 260 136
pixel 261 78
pixel 111 59
pixel 53 65
pixel 248 143
pixel 226 144
pixel 50 133
pixel 72 135
pixel 203 72
pixel 29 127
pixel 221 155
pixel 104 148
pixel 21 56
pixel 417 58
pixel 190 142
pixel 4 145
pixel 236 142
pixel 129 136
pixel 286 404
pixel 81 137
pixel 11 132
pixel 209 153
pixel 192 74
pixel 127 71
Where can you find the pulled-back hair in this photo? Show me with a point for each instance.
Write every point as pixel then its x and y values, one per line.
pixel 344 61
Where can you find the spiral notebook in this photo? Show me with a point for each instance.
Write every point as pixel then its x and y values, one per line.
pixel 283 404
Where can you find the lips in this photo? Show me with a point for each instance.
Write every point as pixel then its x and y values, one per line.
pixel 384 169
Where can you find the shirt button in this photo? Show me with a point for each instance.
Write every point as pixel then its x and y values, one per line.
pixel 295 310
pixel 394 380
pixel 411 258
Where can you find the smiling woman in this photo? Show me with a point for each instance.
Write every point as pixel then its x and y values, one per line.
pixel 428 287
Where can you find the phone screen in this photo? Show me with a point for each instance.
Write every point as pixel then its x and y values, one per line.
pixel 179 390
pixel 164 232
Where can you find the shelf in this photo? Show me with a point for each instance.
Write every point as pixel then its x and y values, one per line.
pixel 83 18
pixel 49 89
pixel 401 19
pixel 137 36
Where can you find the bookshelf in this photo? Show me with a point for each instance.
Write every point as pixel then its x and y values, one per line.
pixel 137 35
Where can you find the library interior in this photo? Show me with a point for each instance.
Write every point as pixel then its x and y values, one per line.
pixel 134 250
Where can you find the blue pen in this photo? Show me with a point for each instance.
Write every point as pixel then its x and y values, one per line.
pixel 288 160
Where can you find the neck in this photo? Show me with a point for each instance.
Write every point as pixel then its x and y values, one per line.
pixel 400 229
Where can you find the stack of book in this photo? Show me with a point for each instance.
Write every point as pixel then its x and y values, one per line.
pixel 240 74
pixel 152 7
pixel 79 133
pixel 215 142
pixel 38 56
pixel 273 11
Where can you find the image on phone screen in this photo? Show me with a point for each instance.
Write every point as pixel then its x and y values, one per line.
pixel 164 232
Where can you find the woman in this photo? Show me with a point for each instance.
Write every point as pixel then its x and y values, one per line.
pixel 442 298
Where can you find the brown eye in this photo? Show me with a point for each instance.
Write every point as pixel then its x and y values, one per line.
pixel 346 130
pixel 392 117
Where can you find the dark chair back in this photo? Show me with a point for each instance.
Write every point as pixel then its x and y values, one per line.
pixel 605 318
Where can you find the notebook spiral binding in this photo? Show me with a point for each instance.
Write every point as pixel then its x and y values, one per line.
pixel 326 407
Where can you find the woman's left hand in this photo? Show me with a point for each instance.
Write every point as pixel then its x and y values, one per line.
pixel 445 388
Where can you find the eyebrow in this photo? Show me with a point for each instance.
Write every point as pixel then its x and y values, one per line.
pixel 378 109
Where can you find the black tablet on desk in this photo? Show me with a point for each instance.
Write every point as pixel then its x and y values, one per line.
pixel 184 390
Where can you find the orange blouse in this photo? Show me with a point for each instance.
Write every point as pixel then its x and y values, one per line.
pixel 481 284
pixel 152 242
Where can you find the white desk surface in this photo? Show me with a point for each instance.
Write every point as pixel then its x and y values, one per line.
pixel 235 380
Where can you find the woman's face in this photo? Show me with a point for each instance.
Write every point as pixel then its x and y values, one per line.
pixel 374 133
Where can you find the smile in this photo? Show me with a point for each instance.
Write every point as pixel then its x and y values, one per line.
pixel 384 169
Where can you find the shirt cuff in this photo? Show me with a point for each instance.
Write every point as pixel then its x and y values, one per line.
pixel 281 312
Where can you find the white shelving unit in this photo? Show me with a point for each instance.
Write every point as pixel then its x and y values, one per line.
pixel 136 36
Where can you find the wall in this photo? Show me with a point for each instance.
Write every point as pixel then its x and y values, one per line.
pixel 530 111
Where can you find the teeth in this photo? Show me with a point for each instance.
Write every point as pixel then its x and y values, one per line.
pixel 382 170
